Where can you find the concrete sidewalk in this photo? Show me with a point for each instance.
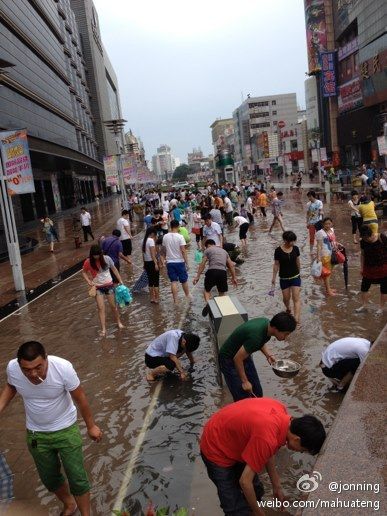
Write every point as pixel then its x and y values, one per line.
pixel 41 266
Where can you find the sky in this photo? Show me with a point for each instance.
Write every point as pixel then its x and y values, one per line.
pixel 182 64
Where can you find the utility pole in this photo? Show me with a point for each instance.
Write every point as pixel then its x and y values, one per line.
pixel 115 127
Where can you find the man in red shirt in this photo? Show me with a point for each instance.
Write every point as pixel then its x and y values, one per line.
pixel 241 439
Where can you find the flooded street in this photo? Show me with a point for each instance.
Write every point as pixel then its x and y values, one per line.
pixel 150 443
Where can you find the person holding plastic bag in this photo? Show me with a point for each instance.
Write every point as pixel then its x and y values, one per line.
pixel 327 249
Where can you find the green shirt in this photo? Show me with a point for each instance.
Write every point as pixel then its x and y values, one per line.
pixel 252 335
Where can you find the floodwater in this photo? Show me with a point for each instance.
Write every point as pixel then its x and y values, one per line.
pixel 149 449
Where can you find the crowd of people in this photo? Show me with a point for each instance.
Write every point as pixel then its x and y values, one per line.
pixel 242 438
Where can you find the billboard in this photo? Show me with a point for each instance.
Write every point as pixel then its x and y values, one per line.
pixel 16 160
pixel 110 164
pixel 129 169
pixel 316 34
pixel 350 95
pixel 328 74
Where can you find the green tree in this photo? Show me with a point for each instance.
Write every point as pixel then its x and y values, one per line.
pixel 181 172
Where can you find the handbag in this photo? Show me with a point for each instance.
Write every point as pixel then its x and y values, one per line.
pixel 93 291
pixel 196 231
pixel 337 257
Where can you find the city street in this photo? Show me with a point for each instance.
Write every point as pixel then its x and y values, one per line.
pixel 149 449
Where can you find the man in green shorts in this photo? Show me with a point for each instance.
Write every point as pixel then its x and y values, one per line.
pixel 235 359
pixel 49 386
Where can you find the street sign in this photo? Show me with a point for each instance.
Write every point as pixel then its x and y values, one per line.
pixel 281 124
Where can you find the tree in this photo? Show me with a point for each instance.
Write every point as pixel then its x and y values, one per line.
pixel 181 172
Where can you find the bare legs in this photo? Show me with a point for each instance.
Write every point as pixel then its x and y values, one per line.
pixel 174 289
pixel 154 373
pixel 102 313
pixel 279 220
pixel 70 502
pixel 293 293
pixel 154 295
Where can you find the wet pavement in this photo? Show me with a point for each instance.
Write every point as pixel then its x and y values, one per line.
pixel 150 444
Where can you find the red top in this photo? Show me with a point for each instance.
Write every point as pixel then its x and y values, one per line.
pixel 250 431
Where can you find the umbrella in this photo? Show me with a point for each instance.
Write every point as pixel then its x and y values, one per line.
pixel 345 267
pixel 6 480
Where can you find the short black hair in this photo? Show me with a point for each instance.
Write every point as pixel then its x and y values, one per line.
pixel 354 192
pixel 209 241
pixel 235 214
pixel 280 194
pixel 83 208
pixel 289 236
pixel 116 232
pixel 284 322
pixel 192 342
pixel 31 350
pixel 175 223
pixel 124 212
pixel 311 432
pixel 325 219
pixel 365 231
pixel 311 193
pixel 207 216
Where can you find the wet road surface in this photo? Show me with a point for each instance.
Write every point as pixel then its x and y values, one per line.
pixel 167 469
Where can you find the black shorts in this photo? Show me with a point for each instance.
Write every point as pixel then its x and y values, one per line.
pixel 366 284
pixel 215 278
pixel 126 247
pixel 243 229
pixel 153 275
pixel 341 368
pixel 153 362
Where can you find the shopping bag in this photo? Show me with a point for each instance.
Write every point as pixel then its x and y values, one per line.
pixel 123 296
pixel 198 256
pixel 93 291
pixel 316 269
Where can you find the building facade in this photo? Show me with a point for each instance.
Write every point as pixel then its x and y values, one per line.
pixel 45 87
pixel 163 162
pixel 222 134
pixel 256 115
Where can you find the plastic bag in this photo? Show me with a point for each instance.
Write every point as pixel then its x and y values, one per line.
pixel 198 256
pixel 123 296
pixel 316 269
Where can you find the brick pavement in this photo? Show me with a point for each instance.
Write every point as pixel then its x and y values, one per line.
pixel 40 266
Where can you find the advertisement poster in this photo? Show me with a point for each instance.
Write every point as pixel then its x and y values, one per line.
pixel 16 160
pixel 316 37
pixel 350 95
pixel 111 170
pixel 328 70
pixel 129 169
pixel 55 192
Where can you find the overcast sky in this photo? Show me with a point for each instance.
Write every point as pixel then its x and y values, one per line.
pixel 181 64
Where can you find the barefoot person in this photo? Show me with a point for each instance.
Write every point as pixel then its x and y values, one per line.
pixel 163 353
pixel 151 264
pixel 216 276
pixel 326 242
pixel 235 360
pixel 276 209
pixel 341 359
pixel 177 260
pixel 97 275
pixel 242 438
pixel 49 386
pixel 243 225
pixel 314 215
pixel 287 264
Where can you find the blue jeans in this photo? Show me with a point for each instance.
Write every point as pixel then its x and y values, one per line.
pixel 233 381
pixel 230 494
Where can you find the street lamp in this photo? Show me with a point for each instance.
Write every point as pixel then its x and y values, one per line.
pixel 115 127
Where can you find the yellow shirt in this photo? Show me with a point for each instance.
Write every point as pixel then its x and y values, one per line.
pixel 367 211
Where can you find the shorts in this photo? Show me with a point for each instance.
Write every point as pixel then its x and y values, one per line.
pixel 126 247
pixel 105 291
pixel 177 272
pixel 243 229
pixel 357 223
pixel 153 362
pixel 52 449
pixel 215 278
pixel 291 282
pixel 341 368
pixel 366 284
pixel 153 275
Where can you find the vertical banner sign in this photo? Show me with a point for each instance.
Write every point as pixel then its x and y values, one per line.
pixel 110 164
pixel 129 171
pixel 316 34
pixel 55 192
pixel 16 162
pixel 328 71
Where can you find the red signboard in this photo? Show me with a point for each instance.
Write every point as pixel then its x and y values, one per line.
pixel 281 124
pixel 295 155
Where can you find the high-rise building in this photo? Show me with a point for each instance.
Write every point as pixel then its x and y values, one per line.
pixel 44 88
pixel 101 77
pixel 222 133
pixel 257 115
pixel 163 162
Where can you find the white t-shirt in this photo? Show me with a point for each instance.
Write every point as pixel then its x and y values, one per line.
pixel 314 211
pixel 249 205
pixel 48 405
pixel 165 205
pixel 323 236
pixel 213 232
pixel 227 205
pixel 165 344
pixel 383 184
pixel 172 243
pixel 147 255
pixel 123 223
pixel 348 347
pixel 85 218
pixel 240 220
